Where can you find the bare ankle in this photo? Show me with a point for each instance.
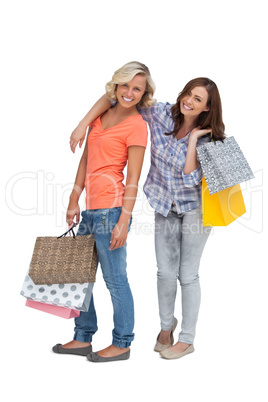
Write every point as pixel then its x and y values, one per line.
pixel 164 337
pixel 76 344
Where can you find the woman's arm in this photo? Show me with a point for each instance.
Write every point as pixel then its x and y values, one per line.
pixel 135 161
pixel 191 162
pixel 78 135
pixel 73 209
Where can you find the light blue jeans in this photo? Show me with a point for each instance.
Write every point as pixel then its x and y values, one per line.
pixel 101 222
pixel 179 243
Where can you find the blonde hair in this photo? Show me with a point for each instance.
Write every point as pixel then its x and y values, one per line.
pixel 124 75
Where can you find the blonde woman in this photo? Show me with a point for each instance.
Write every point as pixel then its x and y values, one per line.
pixel 116 138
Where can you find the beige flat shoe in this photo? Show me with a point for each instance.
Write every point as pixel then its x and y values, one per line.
pixel 159 347
pixel 168 354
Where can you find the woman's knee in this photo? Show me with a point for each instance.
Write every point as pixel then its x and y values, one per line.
pixel 168 276
pixel 188 280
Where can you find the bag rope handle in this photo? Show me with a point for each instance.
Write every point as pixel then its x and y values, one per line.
pixel 69 230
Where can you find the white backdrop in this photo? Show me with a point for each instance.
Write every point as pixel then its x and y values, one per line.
pixel 56 58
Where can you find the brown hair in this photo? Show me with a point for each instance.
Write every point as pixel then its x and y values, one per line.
pixel 209 119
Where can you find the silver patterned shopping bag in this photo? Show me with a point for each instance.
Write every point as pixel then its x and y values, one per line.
pixel 224 164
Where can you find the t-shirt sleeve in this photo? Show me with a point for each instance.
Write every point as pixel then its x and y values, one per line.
pixel 137 135
pixel 92 123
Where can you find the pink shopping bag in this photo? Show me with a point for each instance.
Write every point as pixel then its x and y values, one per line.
pixel 63 312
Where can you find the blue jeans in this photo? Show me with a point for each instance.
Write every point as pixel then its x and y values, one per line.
pixel 179 243
pixel 101 222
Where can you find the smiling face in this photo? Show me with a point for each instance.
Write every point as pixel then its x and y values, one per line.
pixel 130 93
pixel 194 102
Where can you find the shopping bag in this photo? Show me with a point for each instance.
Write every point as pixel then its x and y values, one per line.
pixel 71 259
pixel 71 295
pixel 63 312
pixel 222 208
pixel 223 164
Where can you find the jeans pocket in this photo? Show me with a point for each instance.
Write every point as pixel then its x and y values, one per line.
pixel 84 225
pixel 114 215
pixel 83 213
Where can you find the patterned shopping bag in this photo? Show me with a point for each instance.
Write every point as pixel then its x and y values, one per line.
pixel 72 295
pixel 64 259
pixel 223 164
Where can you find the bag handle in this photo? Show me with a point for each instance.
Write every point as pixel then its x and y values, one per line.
pixel 69 230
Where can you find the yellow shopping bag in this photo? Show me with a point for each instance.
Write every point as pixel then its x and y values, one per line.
pixel 222 208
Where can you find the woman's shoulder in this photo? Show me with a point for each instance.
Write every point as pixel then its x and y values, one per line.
pixel 95 122
pixel 137 120
pixel 135 125
pixel 158 109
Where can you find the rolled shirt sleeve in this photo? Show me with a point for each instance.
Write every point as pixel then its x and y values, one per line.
pixel 194 178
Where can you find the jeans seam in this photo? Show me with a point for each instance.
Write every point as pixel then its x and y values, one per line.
pixel 117 341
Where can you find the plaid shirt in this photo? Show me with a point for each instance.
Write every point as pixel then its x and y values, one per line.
pixel 166 181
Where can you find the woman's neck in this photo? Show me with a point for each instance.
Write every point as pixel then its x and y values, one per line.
pixel 189 123
pixel 115 115
pixel 121 111
pixel 187 126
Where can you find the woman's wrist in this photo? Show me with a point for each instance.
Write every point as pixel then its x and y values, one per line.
pixel 83 124
pixel 193 139
pixel 125 216
pixel 74 196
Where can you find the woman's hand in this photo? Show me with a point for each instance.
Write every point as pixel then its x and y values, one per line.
pixel 197 132
pixel 78 135
pixel 119 235
pixel 73 211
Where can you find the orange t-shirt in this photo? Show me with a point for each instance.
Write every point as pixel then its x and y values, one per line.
pixel 107 158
